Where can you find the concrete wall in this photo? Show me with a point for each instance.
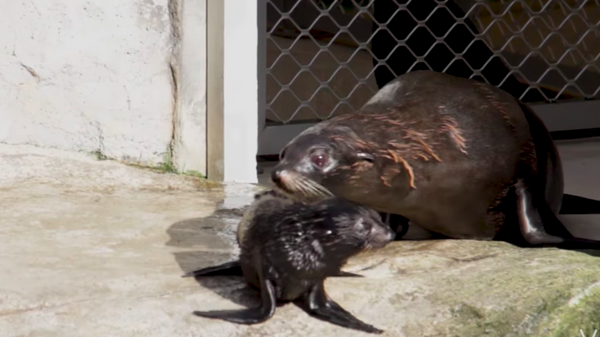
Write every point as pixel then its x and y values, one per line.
pixel 123 77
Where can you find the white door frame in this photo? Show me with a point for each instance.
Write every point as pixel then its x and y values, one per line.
pixel 233 89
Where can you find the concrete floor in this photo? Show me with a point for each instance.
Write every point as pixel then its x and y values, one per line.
pixel 96 248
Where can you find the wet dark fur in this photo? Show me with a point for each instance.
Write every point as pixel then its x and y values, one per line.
pixel 288 248
pixel 457 157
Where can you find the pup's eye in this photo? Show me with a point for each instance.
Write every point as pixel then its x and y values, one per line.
pixel 319 159
pixel 282 154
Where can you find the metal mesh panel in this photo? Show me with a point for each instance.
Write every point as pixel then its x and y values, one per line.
pixel 328 57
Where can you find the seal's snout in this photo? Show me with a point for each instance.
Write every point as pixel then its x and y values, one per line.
pixel 292 182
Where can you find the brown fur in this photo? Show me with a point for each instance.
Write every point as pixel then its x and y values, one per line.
pixel 493 99
pixel 416 146
pixel 433 139
pixel 450 127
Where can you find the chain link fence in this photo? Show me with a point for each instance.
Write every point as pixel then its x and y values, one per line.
pixel 328 57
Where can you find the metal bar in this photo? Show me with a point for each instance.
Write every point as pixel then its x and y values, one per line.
pixel 577 115
pixel 574 115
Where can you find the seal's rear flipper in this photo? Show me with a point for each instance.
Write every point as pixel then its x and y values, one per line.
pixel 541 227
pixel 231 268
pixel 248 316
pixel 572 204
pixel 577 243
pixel 317 304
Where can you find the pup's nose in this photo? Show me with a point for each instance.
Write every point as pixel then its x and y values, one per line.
pixel 276 175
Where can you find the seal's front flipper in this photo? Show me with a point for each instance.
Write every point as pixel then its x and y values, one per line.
pixel 572 204
pixel 248 316
pixel 317 304
pixel 231 268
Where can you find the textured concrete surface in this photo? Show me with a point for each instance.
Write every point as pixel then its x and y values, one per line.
pixel 84 246
pixel 96 248
pixel 96 76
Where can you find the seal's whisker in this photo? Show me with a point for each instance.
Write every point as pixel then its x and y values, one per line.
pixel 303 187
pixel 322 191
pixel 314 192
pixel 308 188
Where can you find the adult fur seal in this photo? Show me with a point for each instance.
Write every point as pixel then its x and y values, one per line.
pixel 457 157
pixel 288 248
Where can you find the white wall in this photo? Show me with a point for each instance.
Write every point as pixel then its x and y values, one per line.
pixel 96 75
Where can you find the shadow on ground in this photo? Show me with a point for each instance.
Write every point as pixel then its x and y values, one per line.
pixel 215 236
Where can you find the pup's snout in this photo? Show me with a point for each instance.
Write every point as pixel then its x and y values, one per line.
pixel 381 235
pixel 276 175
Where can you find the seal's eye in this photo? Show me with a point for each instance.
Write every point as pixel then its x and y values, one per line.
pixel 319 159
pixel 365 156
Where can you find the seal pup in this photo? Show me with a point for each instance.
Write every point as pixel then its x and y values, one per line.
pixel 288 248
pixel 263 201
pixel 457 157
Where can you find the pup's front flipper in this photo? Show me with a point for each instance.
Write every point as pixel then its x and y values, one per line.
pixel 346 274
pixel 317 304
pixel 248 316
pixel 231 268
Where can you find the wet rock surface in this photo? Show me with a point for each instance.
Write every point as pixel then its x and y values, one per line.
pixel 96 248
